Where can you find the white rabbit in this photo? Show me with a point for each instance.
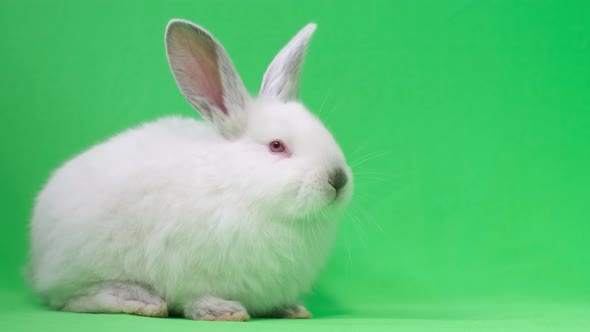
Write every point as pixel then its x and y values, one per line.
pixel 214 220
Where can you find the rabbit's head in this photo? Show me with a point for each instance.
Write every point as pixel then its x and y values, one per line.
pixel 282 154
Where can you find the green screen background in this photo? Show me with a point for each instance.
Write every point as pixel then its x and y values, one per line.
pixel 466 122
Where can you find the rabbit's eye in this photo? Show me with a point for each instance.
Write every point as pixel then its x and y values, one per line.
pixel 276 146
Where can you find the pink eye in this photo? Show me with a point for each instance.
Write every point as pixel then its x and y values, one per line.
pixel 276 146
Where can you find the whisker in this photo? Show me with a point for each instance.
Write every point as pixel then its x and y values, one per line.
pixel 373 173
pixel 357 227
pixel 359 147
pixel 323 103
pixel 368 217
pixel 331 110
pixel 348 251
pixel 369 157
pixel 373 179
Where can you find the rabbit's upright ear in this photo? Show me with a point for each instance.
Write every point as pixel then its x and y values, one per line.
pixel 206 76
pixel 282 76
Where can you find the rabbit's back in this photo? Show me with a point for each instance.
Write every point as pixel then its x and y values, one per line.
pixel 108 201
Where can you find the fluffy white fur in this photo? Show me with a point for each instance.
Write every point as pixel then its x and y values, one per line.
pixel 190 209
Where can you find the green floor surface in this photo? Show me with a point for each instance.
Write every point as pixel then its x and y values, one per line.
pixel 18 312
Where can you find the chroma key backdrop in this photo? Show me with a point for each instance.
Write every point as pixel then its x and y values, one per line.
pixel 466 123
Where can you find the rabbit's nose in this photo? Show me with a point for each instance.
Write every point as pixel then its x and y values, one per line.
pixel 337 179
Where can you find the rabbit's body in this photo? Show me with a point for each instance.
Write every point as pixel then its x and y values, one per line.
pixel 213 220
pixel 127 204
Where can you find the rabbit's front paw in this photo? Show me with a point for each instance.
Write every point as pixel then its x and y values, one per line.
pixel 213 308
pixel 295 311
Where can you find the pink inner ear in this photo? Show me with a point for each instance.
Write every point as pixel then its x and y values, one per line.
pixel 203 74
pixel 208 80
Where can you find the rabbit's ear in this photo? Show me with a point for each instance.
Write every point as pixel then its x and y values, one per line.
pixel 282 76
pixel 206 76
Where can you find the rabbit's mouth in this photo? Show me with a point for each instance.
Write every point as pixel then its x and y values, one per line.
pixel 341 182
pixel 342 197
pixel 324 190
